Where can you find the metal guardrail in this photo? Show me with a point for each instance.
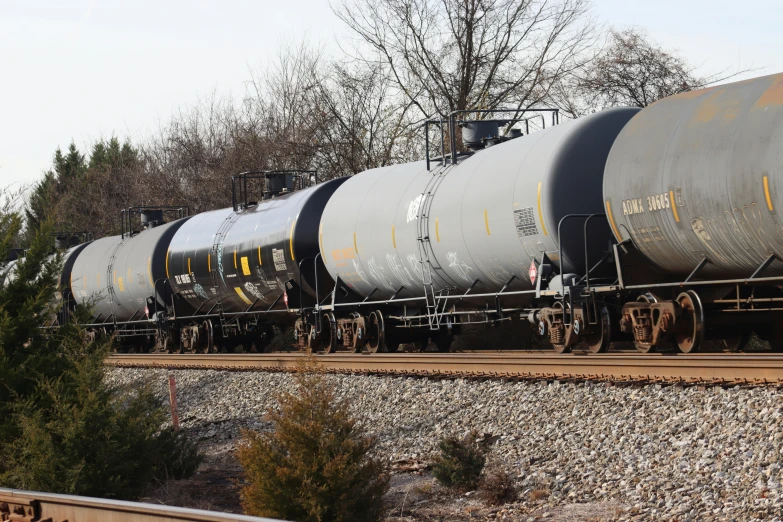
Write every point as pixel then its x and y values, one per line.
pixel 32 506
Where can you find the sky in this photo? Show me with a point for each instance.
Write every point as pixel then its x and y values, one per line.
pixel 81 70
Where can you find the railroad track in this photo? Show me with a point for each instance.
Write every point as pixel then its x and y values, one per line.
pixel 758 369
pixel 36 506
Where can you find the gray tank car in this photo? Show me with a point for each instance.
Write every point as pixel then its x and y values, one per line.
pixel 117 276
pixel 698 176
pixel 694 183
pixel 483 222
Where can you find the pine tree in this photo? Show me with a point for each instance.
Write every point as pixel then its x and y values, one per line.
pixel 315 465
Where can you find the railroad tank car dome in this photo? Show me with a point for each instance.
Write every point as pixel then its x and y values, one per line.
pixel 483 221
pixel 250 259
pixel 116 276
pixel 700 175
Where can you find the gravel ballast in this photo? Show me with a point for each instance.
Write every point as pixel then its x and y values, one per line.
pixel 660 452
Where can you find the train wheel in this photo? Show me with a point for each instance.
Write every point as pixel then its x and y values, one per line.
pixel 376 333
pixel 690 336
pixel 597 340
pixel 328 334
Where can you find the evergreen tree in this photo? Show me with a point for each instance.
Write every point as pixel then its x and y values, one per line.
pixel 62 429
pixel 42 198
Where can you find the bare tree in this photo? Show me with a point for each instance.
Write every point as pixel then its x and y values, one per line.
pixel 633 71
pixel 446 55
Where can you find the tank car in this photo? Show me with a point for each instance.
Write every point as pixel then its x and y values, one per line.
pixel 123 278
pixel 253 259
pixel 471 233
pixel 693 184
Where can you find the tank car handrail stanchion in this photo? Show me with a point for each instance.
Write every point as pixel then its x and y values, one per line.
pixel 588 269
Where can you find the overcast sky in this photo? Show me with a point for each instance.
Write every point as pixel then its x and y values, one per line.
pixel 85 69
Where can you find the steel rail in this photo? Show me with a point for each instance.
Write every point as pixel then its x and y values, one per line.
pixel 32 505
pixel 766 368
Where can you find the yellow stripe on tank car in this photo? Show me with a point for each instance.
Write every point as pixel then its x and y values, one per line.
pixel 766 193
pixel 437 230
pixel 114 277
pixel 611 221
pixel 394 238
pixel 189 272
pixel 209 262
pixel 356 249
pixel 149 271
pixel 129 276
pixel 119 283
pixel 245 266
pixel 486 221
pixel 242 295
pixel 167 264
pixel 291 241
pixel 260 263
pixel 674 206
pixel 235 258
pixel 540 211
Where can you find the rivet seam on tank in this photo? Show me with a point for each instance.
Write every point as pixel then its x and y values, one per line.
pixel 437 230
pixel 394 239
pixel 291 241
pixel 767 195
pixel 674 206
pixel 167 264
pixel 611 221
pixel 260 262
pixel 486 221
pixel 356 249
pixel 242 295
pixel 540 211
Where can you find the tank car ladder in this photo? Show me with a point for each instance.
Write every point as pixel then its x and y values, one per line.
pixel 434 315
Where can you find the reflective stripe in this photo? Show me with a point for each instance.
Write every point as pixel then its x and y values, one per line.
pixel 541 212
pixel 611 221
pixel 291 241
pixel 674 206
pixel 259 256
pixel 437 230
pixel 486 221
pixel 766 193
pixel 394 238
pixel 354 243
pixel 242 295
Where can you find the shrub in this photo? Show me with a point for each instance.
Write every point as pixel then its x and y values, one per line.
pixel 314 465
pixel 497 486
pixel 93 440
pixel 460 462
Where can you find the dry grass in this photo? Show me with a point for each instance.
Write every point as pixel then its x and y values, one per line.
pixel 497 487
pixel 539 494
